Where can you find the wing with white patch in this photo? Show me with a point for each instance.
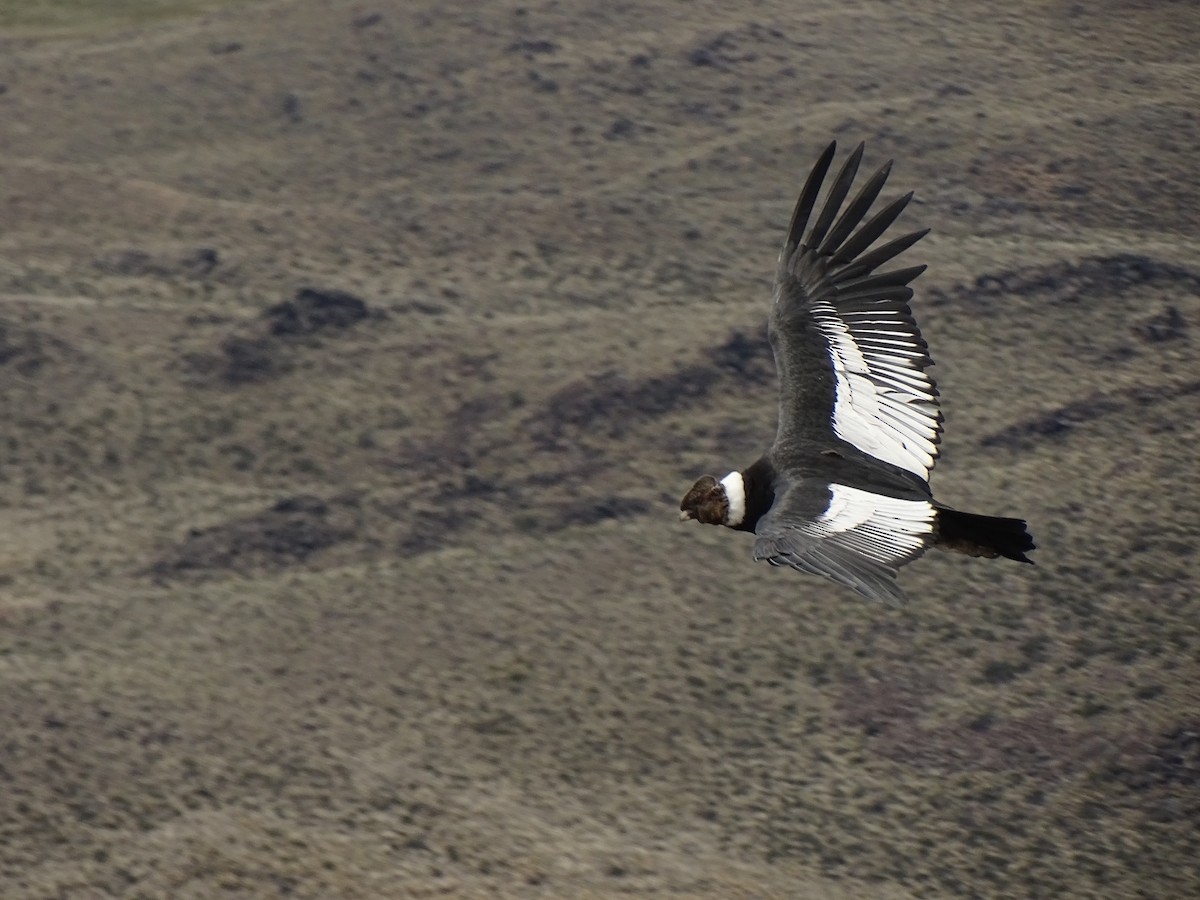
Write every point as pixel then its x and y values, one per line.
pixel 851 360
pixel 854 537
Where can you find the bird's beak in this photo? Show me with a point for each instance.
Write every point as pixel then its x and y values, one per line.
pixel 685 515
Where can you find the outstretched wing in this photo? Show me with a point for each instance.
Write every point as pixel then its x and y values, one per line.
pixel 851 360
pixel 855 537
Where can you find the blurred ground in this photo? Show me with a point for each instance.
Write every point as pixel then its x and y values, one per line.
pixel 353 359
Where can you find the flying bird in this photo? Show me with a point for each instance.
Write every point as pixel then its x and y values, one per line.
pixel 844 490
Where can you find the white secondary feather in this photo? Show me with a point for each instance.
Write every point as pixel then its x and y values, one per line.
pixel 885 405
pixel 735 492
pixel 880 528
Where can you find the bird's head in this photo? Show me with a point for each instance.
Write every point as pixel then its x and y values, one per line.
pixel 706 502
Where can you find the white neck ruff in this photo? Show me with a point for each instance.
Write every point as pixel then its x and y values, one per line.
pixel 735 491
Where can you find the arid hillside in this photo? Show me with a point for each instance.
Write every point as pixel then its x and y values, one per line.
pixel 353 361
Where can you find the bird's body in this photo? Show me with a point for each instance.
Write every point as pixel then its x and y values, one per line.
pixel 844 490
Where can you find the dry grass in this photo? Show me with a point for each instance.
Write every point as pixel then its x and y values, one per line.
pixel 311 596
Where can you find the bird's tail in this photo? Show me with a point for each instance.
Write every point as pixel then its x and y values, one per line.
pixel 988 536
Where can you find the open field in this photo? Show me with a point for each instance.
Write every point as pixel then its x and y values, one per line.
pixel 354 357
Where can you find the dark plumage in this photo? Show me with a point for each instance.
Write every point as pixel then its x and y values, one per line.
pixel 844 492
